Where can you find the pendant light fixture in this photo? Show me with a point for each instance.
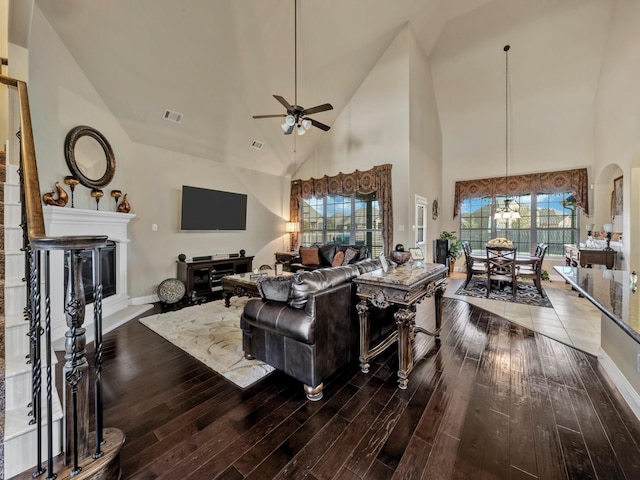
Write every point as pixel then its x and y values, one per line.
pixel 510 209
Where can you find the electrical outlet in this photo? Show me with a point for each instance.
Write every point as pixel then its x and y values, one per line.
pixel 154 227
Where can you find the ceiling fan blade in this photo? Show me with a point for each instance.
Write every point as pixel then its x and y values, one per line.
pixel 321 126
pixel 320 108
pixel 290 130
pixel 270 116
pixel 283 102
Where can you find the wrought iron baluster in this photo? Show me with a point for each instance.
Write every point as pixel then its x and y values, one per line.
pixel 47 330
pixel 36 367
pixel 97 328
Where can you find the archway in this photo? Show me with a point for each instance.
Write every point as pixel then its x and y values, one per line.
pixel 604 212
pixel 634 212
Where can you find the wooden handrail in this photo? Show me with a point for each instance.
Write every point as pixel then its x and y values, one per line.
pixel 35 219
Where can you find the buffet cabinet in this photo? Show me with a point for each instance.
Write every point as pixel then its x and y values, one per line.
pixel 204 277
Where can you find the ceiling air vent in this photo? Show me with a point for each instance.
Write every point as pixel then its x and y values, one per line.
pixel 257 145
pixel 171 116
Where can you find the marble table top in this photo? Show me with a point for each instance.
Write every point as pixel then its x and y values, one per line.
pixel 405 275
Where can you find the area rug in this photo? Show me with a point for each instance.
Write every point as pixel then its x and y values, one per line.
pixel 527 293
pixel 211 333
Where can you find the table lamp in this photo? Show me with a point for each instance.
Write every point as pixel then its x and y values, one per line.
pixel 292 228
pixel 608 228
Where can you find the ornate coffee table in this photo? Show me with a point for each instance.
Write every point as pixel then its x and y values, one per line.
pixel 406 286
pixel 244 284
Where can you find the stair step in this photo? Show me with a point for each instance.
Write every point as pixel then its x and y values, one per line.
pixel 20 438
pixel 14 298
pixel 12 238
pixel 12 174
pixel 18 379
pixel 14 265
pixel 11 192
pixel 12 213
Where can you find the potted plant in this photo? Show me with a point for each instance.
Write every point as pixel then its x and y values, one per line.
pixel 455 247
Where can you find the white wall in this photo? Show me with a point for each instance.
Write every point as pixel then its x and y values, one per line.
pixel 551 119
pixel 4 91
pixel 617 128
pixel 61 98
pixel 425 156
pixel 392 118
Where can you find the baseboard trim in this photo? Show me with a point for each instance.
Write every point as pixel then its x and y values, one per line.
pixel 620 381
pixel 143 300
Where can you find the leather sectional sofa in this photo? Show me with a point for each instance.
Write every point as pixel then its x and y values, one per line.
pixel 329 255
pixel 306 324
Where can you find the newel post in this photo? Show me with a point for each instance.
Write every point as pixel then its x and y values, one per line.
pixel 76 368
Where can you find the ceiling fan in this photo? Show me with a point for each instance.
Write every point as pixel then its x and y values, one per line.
pixel 298 116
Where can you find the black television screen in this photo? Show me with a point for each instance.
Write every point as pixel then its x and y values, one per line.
pixel 204 209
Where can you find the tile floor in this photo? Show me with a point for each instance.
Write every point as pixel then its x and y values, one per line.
pixel 573 320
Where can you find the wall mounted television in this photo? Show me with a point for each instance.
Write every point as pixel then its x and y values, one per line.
pixel 204 209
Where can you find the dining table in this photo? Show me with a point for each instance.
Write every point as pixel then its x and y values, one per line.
pixel 521 258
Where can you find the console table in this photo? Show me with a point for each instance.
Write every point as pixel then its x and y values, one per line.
pixel 405 286
pixel 205 277
pixel 287 258
pixel 590 257
pixel 586 257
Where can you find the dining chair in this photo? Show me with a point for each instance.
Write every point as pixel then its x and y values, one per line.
pixel 474 267
pixel 533 270
pixel 501 267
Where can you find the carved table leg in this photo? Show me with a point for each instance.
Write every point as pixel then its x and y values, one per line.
pixel 405 321
pixel 227 294
pixel 438 304
pixel 363 316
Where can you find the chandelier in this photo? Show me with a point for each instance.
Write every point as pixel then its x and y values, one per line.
pixel 510 209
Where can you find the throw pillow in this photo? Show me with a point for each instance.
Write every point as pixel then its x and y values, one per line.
pixel 350 255
pixel 364 253
pixel 309 255
pixel 326 253
pixel 338 258
pixel 275 288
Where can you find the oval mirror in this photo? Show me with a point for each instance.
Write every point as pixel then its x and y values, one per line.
pixel 89 156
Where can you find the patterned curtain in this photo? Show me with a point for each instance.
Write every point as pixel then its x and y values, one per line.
pixel 574 181
pixel 377 180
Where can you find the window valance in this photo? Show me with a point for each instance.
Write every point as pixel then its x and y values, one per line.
pixel 575 181
pixel 377 180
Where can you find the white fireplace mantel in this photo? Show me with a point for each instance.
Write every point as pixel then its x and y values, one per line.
pixel 65 221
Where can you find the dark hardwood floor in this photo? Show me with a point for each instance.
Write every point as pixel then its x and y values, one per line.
pixel 493 400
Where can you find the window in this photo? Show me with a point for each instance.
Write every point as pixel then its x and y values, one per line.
pixel 421 221
pixel 353 220
pixel 544 218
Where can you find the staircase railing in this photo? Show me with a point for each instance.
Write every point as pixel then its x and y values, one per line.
pixel 103 462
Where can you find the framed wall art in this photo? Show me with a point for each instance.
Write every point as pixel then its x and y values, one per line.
pixel 617 196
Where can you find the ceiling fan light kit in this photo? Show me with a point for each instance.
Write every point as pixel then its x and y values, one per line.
pixel 297 115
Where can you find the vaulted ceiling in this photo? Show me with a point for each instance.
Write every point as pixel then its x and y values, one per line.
pixel 218 62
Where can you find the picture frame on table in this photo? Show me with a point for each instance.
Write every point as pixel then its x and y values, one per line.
pixel 383 262
pixel 416 254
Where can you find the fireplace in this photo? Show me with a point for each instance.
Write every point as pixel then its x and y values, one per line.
pixel 61 221
pixel 107 272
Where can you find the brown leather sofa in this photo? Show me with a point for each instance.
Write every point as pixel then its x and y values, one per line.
pixel 306 325
pixel 322 256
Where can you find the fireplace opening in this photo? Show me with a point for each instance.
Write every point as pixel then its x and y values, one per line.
pixel 107 271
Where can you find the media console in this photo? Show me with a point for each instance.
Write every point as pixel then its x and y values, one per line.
pixel 204 277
